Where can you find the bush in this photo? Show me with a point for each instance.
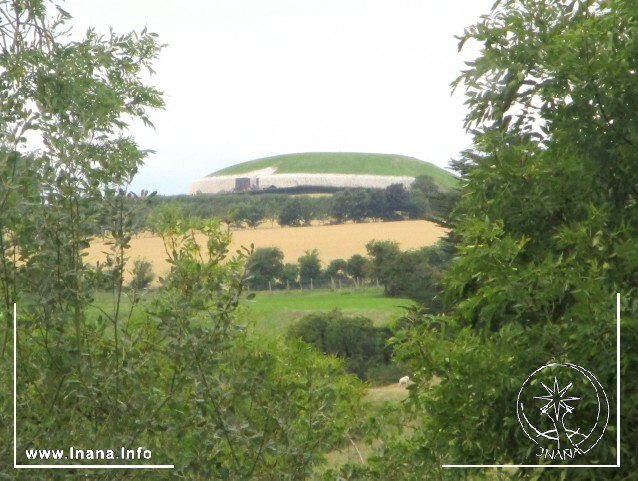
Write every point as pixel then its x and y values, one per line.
pixel 251 214
pixel 265 266
pixel 414 274
pixel 290 274
pixel 384 374
pixel 309 267
pixel 296 212
pixel 356 266
pixel 337 270
pixel 143 274
pixel 362 346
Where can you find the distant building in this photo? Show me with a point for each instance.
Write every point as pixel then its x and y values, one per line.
pixel 269 180
pixel 242 183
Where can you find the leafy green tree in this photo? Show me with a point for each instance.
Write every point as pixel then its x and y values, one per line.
pixel 420 204
pixel 361 345
pixel 250 213
pixel 265 266
pixel 547 226
pixel 421 191
pixel 428 202
pixel 421 277
pixel 312 329
pixel 414 274
pixel 386 266
pixel 309 267
pixel 351 204
pixel 377 207
pixel 229 395
pixel 18 191
pixel 340 208
pixel 272 207
pixel 179 376
pixel 75 98
pixel 290 274
pixel 358 342
pixel 356 266
pixel 295 212
pixel 143 274
pixel 397 202
pixel 337 269
pixel 425 184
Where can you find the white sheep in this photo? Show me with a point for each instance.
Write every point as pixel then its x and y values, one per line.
pixel 404 381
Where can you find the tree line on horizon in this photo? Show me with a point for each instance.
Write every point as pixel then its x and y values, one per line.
pixel 423 200
pixel 414 274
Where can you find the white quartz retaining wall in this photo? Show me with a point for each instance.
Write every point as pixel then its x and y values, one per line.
pixel 226 183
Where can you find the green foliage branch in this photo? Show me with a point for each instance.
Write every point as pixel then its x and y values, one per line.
pixel 547 227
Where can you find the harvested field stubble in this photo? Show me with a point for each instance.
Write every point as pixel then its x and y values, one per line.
pixel 332 241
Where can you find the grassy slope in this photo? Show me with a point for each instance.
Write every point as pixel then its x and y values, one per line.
pixel 273 312
pixel 345 163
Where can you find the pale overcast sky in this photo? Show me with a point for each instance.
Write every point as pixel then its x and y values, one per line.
pixel 252 78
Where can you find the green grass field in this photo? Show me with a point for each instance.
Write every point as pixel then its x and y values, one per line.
pixel 273 312
pixel 345 163
pixel 392 394
pixel 103 303
pixel 270 314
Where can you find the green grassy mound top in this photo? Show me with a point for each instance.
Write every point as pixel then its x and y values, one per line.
pixel 344 163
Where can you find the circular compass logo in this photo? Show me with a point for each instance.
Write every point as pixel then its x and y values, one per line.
pixel 563 409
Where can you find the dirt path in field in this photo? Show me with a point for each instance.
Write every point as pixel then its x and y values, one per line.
pixel 332 241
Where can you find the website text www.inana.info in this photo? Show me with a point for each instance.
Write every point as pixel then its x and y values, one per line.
pixel 73 453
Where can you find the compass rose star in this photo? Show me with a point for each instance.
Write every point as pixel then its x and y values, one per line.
pixel 556 400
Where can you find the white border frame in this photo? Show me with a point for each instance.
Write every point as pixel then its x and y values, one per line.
pixel 56 466
pixel 566 466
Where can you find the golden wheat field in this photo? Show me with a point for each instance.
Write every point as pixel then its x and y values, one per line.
pixel 332 241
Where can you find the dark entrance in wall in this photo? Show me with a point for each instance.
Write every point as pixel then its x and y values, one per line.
pixel 242 183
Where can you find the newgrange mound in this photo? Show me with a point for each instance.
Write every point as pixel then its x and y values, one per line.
pixel 335 170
